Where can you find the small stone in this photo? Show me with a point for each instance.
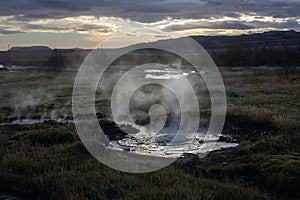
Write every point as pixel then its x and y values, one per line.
pixel 201 141
pixel 126 149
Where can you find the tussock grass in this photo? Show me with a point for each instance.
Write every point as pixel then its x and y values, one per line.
pixel 65 170
pixel 47 161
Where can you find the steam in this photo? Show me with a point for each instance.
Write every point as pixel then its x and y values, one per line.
pixel 143 97
pixel 40 93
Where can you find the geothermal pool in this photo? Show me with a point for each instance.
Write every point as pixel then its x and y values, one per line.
pixel 151 144
pixel 158 145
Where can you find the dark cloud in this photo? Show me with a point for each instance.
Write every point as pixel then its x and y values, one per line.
pixel 149 11
pixel 233 15
pixel 83 27
pixel 289 24
pixel 41 27
pixel 4 32
pixel 211 25
pixel 237 25
pixel 97 28
pixel 155 10
pixel 13 25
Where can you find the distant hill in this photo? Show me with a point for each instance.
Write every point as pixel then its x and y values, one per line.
pixel 273 48
pixel 266 39
pixel 31 48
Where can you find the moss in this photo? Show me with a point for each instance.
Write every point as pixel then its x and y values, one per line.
pixel 224 171
pixel 48 161
pixel 283 173
pixel 100 115
pixel 105 122
pixel 273 144
pixel 65 170
pixel 48 138
pixel 176 186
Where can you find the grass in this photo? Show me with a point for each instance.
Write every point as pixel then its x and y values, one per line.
pixel 283 173
pixel 52 163
pixel 47 161
pixel 66 170
pixel 271 164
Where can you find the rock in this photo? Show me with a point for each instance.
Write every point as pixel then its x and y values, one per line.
pixel 4 69
pixel 8 197
pixel 225 163
pixel 128 129
pixel 227 139
pixel 114 132
pixel 161 141
pixel 126 149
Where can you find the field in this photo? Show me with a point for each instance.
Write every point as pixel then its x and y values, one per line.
pixel 48 161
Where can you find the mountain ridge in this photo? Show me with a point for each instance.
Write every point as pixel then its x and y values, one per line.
pixel 30 48
pixel 289 38
pixel 265 39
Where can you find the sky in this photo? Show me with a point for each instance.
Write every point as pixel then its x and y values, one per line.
pixel 85 24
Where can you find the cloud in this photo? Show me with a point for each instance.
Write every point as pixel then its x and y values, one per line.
pixel 4 32
pixel 82 24
pixel 210 25
pixel 236 25
pixel 288 24
pixel 105 17
pixel 149 11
